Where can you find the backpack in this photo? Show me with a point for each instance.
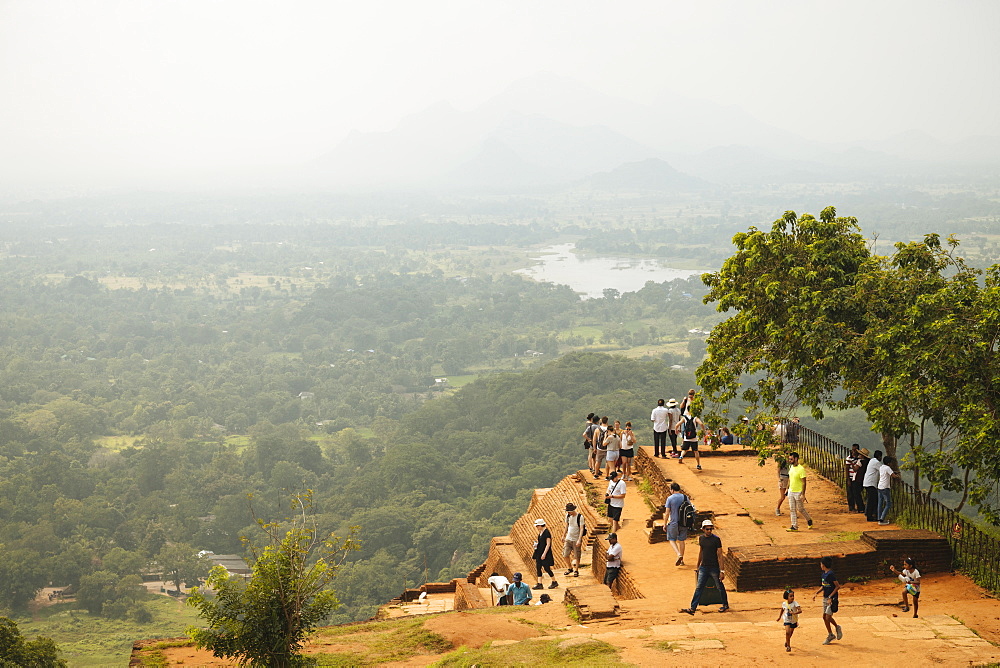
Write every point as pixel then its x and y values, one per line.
pixel 579 519
pixel 686 514
pixel 690 428
pixel 588 436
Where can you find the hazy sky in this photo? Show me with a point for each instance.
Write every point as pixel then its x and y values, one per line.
pixel 135 86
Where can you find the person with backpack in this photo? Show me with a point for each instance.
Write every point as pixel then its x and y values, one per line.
pixel 576 533
pixel 678 518
pixel 689 427
pixel 709 567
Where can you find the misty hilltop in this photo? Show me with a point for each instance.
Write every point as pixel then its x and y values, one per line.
pixel 548 131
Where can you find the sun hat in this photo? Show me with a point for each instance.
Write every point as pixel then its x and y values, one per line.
pixel 707 523
pixel 539 522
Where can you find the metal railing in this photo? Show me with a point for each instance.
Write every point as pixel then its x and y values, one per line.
pixel 974 551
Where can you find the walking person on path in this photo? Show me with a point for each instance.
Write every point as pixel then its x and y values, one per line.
pixel 615 498
pixel 613 565
pixel 790 610
pixel 660 418
pixel 910 577
pixel 885 476
pixel 709 560
pixel 689 427
pixel 829 587
pixel 782 463
pixel 543 556
pixel 870 484
pixel 797 492
pixel 576 529
pixel 677 531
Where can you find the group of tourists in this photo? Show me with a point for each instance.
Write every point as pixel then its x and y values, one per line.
pixel 672 420
pixel 869 483
pixel 610 447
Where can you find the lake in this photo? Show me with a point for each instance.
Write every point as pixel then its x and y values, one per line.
pixel 591 275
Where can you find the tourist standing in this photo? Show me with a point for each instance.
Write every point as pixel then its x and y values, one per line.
pixel 660 418
pixel 576 529
pixel 612 451
pixel 830 588
pixel 628 451
pixel 870 484
pixel 851 465
pixel 672 420
pixel 797 492
pixel 544 559
pixel 613 565
pixel 600 449
pixel 588 440
pixel 709 566
pixel 591 435
pixel 885 476
pixel 677 531
pixel 615 498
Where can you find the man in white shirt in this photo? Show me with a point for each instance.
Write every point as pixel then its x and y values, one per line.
pixel 498 584
pixel 885 476
pixel 576 527
pixel 615 496
pixel 613 564
pixel 660 418
pixel 870 484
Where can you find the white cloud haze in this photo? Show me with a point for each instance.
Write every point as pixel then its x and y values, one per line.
pixel 151 89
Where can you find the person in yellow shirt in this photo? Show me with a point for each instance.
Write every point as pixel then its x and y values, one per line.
pixel 797 492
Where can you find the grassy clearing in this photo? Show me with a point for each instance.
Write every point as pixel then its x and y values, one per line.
pixel 116 443
pixel 537 653
pixel 85 640
pixel 841 536
pixel 375 643
pixel 461 381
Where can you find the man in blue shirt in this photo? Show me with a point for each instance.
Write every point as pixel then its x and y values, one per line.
pixel 519 592
pixel 677 534
pixel 829 587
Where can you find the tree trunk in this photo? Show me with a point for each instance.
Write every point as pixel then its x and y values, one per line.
pixel 888 444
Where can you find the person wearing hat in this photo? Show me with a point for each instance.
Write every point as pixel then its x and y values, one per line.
pixel 613 565
pixel 543 556
pixel 576 529
pixel 660 418
pixel 518 592
pixel 709 566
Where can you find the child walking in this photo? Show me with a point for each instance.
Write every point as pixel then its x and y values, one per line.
pixel 910 577
pixel 790 610
pixel 829 587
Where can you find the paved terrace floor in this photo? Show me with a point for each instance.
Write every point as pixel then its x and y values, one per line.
pixel 743 496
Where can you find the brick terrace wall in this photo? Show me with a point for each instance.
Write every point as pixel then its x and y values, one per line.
pixel 932 552
pixel 468 597
pixel 550 506
pixel 773 567
pixel 624 587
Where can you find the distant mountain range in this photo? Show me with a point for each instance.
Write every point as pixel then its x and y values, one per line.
pixel 549 132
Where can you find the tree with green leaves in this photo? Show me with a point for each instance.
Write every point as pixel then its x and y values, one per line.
pixel 16 652
pixel 910 339
pixel 265 620
pixel 181 563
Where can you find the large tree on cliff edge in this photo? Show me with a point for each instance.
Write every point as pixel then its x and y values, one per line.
pixel 822 322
